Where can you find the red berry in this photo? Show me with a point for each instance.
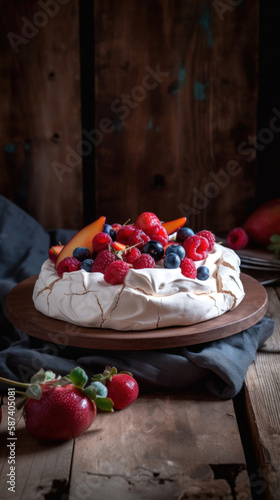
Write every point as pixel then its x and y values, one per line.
pixel 188 268
pixel 237 238
pixel 131 255
pixel 54 252
pixel 102 261
pixel 144 262
pixel 101 241
pixel 116 226
pixel 139 238
pixel 124 233
pixel 158 233
pixel 116 272
pixel 210 238
pixel 122 389
pixel 61 413
pixel 196 247
pixel 68 265
pixel 146 221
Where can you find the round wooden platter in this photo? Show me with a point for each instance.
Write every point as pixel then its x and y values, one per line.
pixel 22 314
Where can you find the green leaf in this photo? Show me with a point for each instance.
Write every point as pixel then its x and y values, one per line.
pixel 128 373
pixel 105 404
pixel 34 391
pixel 39 377
pixel 275 238
pixel 91 392
pixel 50 375
pixel 78 376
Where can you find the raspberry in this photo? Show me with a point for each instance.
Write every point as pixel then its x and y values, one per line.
pixel 146 221
pixel 158 233
pixel 102 261
pixel 101 241
pixel 196 247
pixel 68 265
pixel 139 238
pixel 124 233
pixel 237 238
pixel 116 272
pixel 210 238
pixel 116 226
pixel 144 262
pixel 188 268
pixel 131 255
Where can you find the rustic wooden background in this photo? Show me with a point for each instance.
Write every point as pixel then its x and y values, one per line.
pixel 175 148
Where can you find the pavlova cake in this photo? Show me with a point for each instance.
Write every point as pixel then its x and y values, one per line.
pixel 139 276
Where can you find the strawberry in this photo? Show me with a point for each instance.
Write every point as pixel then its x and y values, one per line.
pixel 146 221
pixel 54 252
pixel 122 387
pixel 59 408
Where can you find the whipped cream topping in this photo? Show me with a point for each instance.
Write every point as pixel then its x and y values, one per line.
pixel 149 298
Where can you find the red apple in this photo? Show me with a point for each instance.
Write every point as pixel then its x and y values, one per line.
pixel 264 222
pixel 81 239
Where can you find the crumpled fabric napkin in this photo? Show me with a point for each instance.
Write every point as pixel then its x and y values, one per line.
pixel 220 365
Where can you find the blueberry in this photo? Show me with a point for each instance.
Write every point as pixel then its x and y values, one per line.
pixel 172 261
pixel 203 273
pixel 102 390
pixel 183 234
pixel 109 230
pixel 81 253
pixel 178 249
pixel 155 249
pixel 86 265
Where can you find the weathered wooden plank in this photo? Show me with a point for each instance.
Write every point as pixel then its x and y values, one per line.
pixel 170 138
pixel 263 404
pixel 162 447
pixel 42 469
pixel 40 113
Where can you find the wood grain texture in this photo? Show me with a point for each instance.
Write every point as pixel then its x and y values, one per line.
pixel 42 469
pixel 22 314
pixel 162 447
pixel 169 143
pixel 40 112
pixel 263 404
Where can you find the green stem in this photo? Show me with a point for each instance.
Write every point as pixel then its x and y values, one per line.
pixel 8 381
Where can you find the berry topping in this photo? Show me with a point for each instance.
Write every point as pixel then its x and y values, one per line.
pixel 158 233
pixel 203 273
pixel 68 265
pixel 144 262
pixel 124 233
pixel 102 261
pixel 172 261
pixel 183 234
pixel 86 265
pixel 146 221
pixel 109 230
pixel 101 241
pixel 155 249
pixel 174 248
pixel 131 255
pixel 188 268
pixel 196 247
pixel 237 238
pixel 81 253
pixel 54 252
pixel 139 238
pixel 116 272
pixel 116 226
pixel 210 238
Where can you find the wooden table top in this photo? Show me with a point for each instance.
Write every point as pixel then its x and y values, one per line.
pixel 168 445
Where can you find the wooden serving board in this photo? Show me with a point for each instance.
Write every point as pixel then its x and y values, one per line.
pixel 22 314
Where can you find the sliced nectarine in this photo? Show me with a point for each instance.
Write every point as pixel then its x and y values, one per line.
pixel 174 225
pixel 82 239
pixel 118 246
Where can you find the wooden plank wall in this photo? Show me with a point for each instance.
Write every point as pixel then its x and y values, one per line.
pixel 176 95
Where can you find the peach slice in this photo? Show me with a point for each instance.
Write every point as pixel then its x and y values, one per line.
pixel 174 225
pixel 82 239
